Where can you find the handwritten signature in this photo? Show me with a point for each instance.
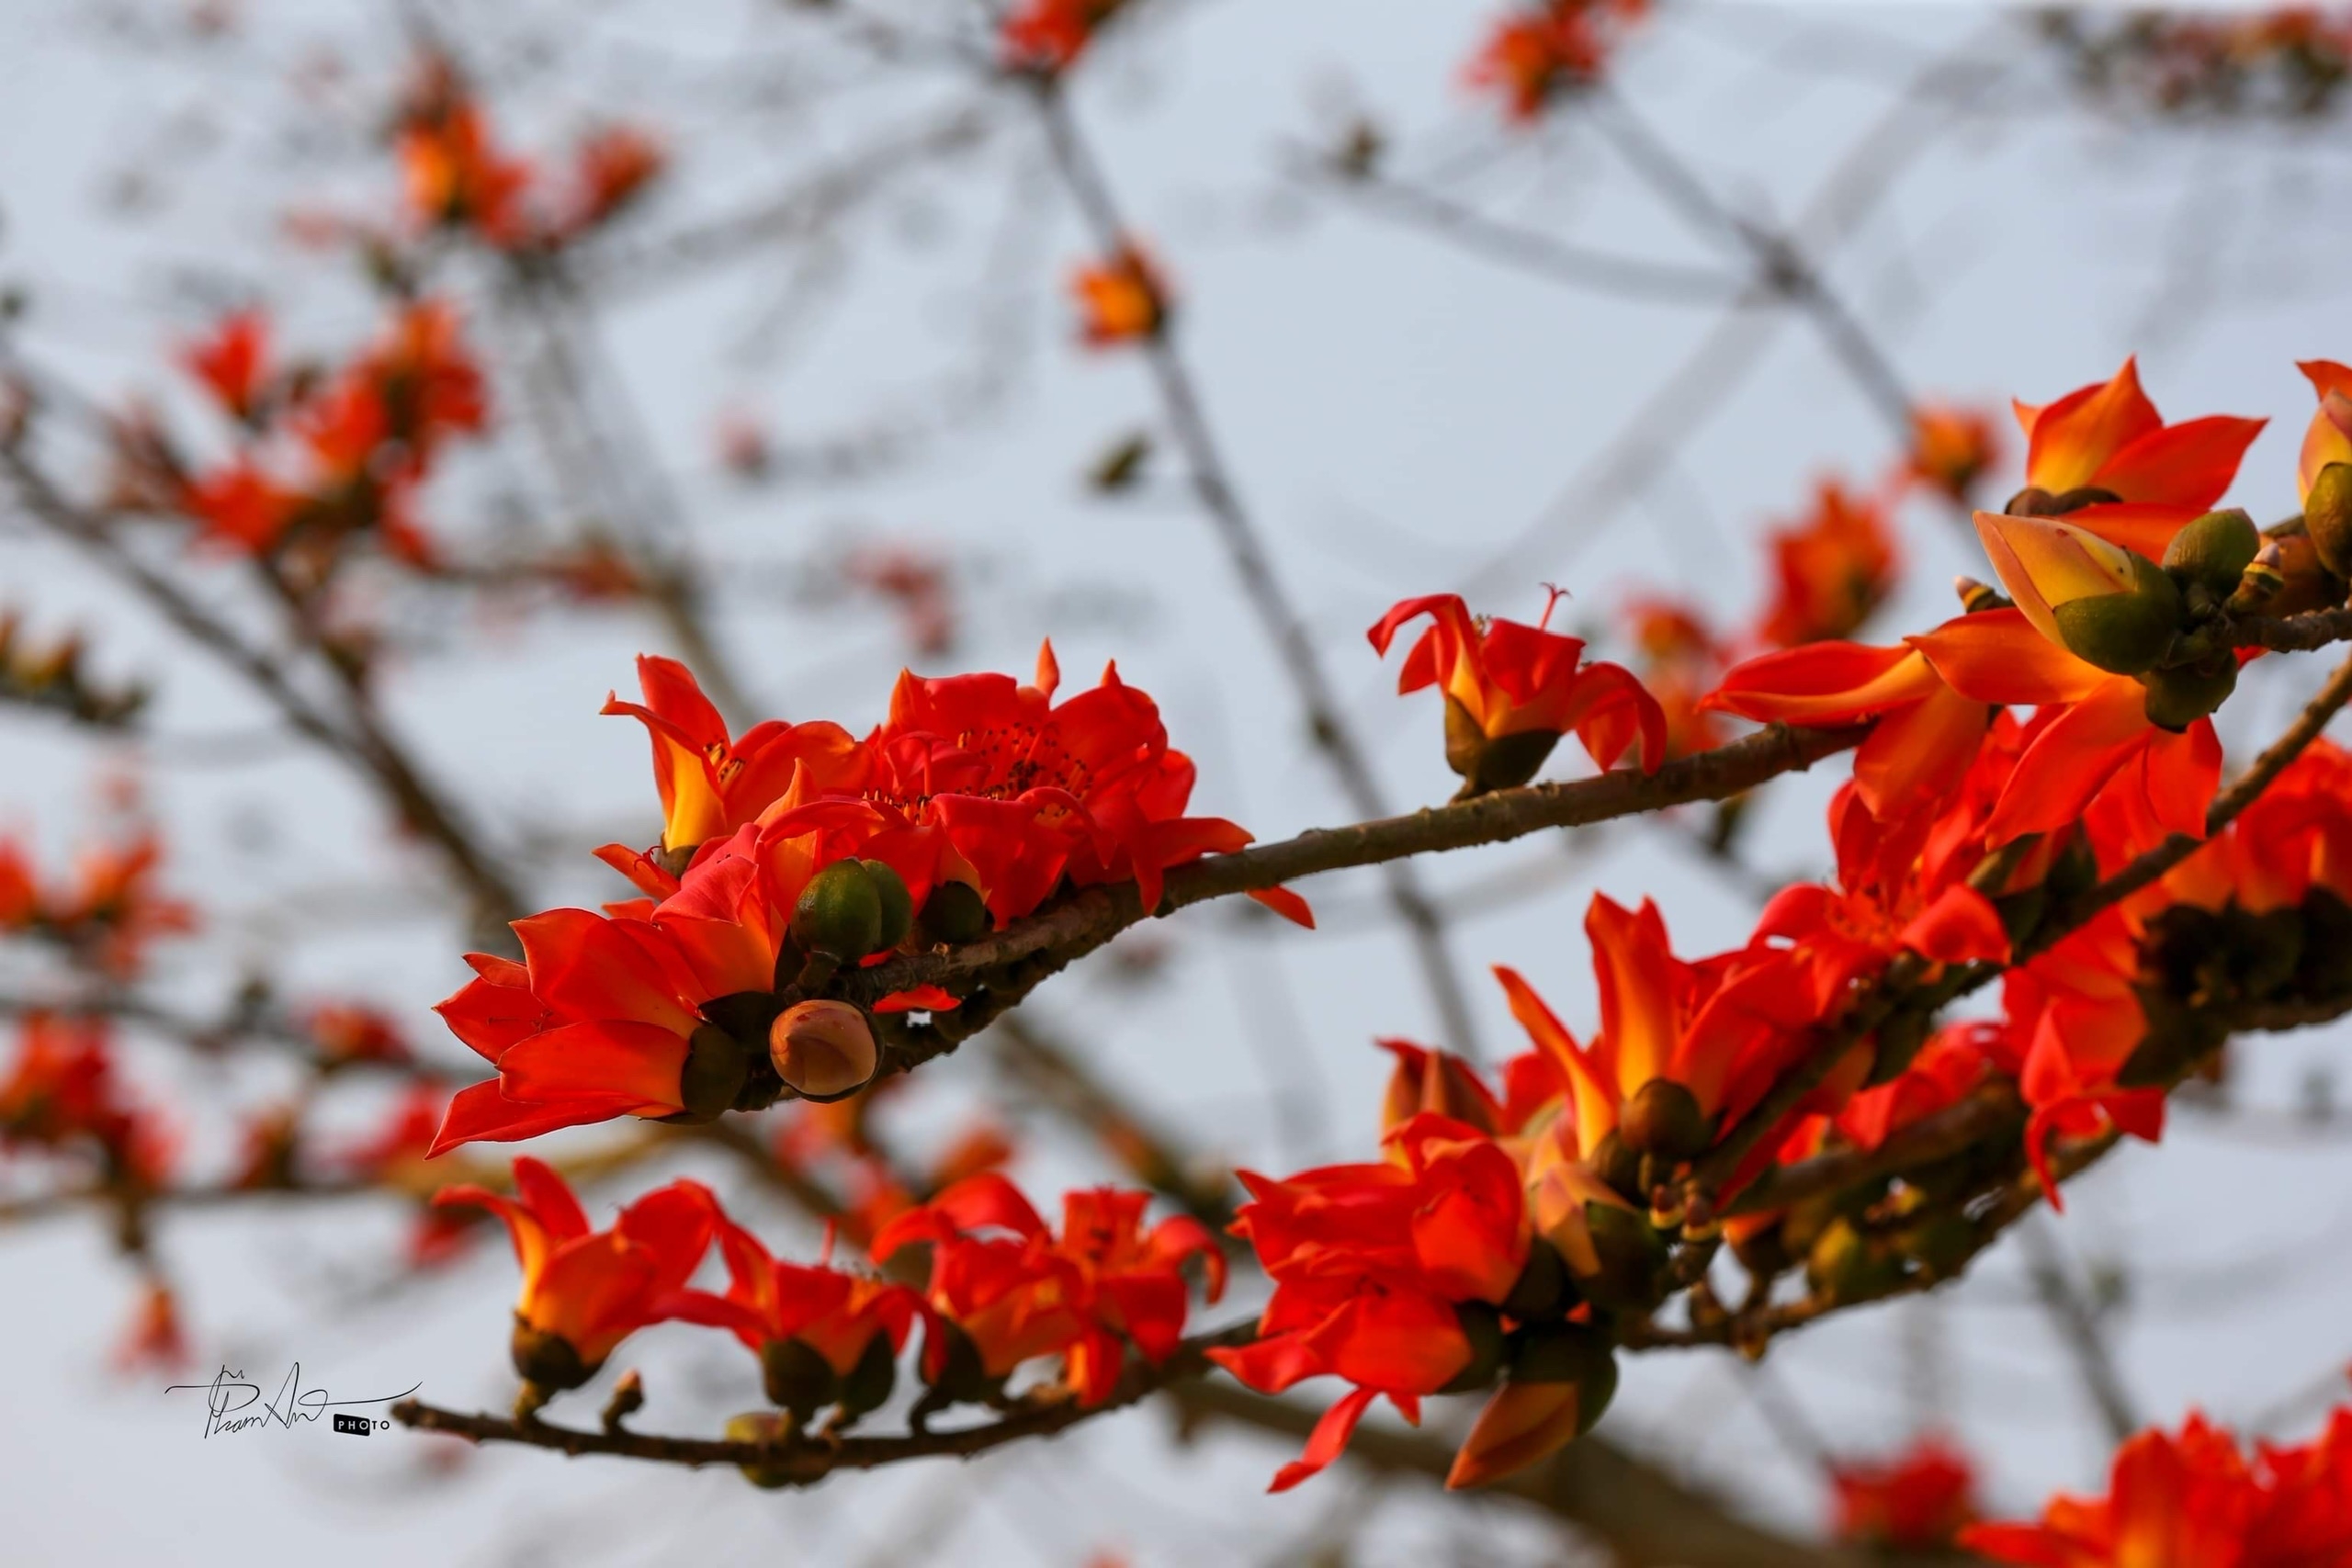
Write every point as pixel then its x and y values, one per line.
pixel 229 1402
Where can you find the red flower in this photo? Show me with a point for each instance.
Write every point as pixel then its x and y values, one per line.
pixel 1511 691
pixel 1681 660
pixel 711 785
pixel 453 171
pixel 1832 568
pixel 1103 1283
pixel 584 1291
pixel 845 1320
pixel 350 1031
pixel 62 1090
pixel 2184 1500
pixel 1049 34
pixel 1538 55
pixel 612 168
pixel 233 362
pixel 155 1337
pixel 2150 477
pixel 1121 298
pixel 1919 1501
pixel 601 1017
pixel 1369 1263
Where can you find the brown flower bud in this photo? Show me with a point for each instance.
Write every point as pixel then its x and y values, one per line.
pixel 823 1050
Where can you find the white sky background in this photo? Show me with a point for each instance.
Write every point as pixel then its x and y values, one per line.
pixel 1397 411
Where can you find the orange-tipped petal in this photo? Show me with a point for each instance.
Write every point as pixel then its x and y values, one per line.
pixel 1523 1423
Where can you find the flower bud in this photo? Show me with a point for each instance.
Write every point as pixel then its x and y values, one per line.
pixel 797 1377
pixel 2303 580
pixel 763 1427
pixel 2104 604
pixel 2032 502
pixel 839 913
pixel 954 913
pixel 1845 1267
pixel 2179 697
pixel 1618 1164
pixel 824 1049
pixel 713 1073
pixel 2214 550
pixel 547 1361
pixel 2075 499
pixel 898 905
pixel 2327 517
pixel 1976 597
pixel 1664 1119
pixel 1631 1258
pixel 1434 1080
pixel 1560 1382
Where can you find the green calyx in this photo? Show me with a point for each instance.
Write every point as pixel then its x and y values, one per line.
pixel 2127 632
pixel 2179 697
pixel 840 912
pixel 2214 551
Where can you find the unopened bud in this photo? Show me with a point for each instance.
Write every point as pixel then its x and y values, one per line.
pixel 1544 1289
pixel 1559 1383
pixel 1976 597
pixel 2179 697
pixel 840 912
pixel 898 905
pixel 1631 1260
pixel 2108 606
pixel 1618 1164
pixel 2327 517
pixel 2304 582
pixel 2213 550
pixel 954 913
pixel 1664 1119
pixel 2032 502
pixel 2075 499
pixel 824 1049
pixel 766 1429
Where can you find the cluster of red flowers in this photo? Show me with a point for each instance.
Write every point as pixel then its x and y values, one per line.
pixel 323 460
pixel 1003 1290
pixel 62 1095
pixel 457 178
pixel 109 917
pixel 970 804
pixel 2291 60
pixel 1549 48
pixel 2196 1498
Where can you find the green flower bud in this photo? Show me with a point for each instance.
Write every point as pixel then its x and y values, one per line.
pixel 2123 633
pixel 1631 1260
pixel 898 905
pixel 954 913
pixel 2214 550
pixel 2179 697
pixel 763 1427
pixel 2327 517
pixel 1664 1119
pixel 840 912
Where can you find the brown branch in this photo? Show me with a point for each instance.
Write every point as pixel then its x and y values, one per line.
pixel 806 1459
pixel 1094 916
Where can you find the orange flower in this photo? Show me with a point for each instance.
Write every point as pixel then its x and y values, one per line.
pixel 584 1291
pixel 2185 1502
pixel 1919 1501
pixel 2105 448
pixel 1950 449
pixel 606 1017
pixel 1534 57
pixel 1103 1283
pixel 1832 568
pixel 233 362
pixel 2076 1011
pixel 711 785
pixel 62 1090
pixel 1681 663
pixel 350 1031
pixel 1048 35
pixel 453 173
pixel 2328 438
pixel 1511 691
pixel 850 1325
pixel 612 168
pixel 1120 299
pixel 155 1337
